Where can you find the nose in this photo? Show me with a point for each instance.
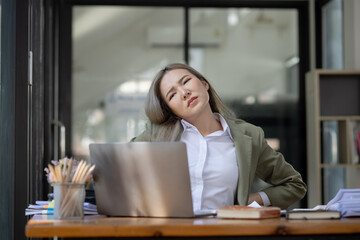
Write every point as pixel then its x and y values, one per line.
pixel 185 93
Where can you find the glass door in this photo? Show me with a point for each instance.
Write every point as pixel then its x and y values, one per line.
pixel 251 56
pixel 116 53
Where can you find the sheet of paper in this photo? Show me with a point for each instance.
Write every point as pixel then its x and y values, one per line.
pixel 254 204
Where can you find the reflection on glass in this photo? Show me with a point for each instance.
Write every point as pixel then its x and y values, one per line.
pixel 249 55
pixel 116 53
pixel 332 25
pixel 246 53
pixel 334 180
pixel 251 58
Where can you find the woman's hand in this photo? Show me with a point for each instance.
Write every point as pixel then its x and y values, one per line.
pixel 255 197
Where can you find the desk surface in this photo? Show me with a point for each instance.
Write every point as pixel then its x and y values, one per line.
pixel 100 226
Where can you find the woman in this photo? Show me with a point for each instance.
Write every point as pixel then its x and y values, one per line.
pixel 224 153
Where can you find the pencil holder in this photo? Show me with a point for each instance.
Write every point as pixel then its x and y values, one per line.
pixel 69 200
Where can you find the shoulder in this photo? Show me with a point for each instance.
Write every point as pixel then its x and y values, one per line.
pixel 239 126
pixel 160 132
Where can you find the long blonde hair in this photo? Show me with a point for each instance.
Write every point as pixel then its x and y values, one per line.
pixel 159 112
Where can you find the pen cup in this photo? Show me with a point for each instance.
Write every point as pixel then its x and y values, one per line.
pixel 69 200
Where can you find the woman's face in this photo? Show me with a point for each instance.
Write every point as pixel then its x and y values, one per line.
pixel 185 94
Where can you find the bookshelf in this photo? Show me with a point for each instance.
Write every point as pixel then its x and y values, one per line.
pixel 333 124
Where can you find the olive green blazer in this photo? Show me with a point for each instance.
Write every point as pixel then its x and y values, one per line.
pixel 255 158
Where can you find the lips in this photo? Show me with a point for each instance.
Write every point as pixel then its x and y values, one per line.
pixel 191 100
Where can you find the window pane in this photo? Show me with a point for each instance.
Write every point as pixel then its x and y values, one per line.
pixel 332 22
pixel 116 53
pixel 250 56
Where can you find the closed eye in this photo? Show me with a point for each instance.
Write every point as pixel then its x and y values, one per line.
pixel 187 80
pixel 171 96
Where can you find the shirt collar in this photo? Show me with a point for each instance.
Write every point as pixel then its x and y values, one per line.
pixel 186 124
pixel 225 126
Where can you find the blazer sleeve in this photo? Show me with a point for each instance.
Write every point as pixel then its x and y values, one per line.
pixel 287 184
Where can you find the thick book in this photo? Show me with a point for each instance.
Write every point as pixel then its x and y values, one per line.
pixel 312 214
pixel 245 212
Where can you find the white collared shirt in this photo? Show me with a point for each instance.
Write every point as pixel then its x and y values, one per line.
pixel 213 166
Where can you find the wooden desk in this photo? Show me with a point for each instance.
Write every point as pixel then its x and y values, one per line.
pixel 100 226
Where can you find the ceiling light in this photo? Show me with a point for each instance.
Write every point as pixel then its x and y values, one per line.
pixel 233 17
pixel 133 86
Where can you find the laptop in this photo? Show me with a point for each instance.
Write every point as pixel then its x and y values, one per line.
pixel 142 179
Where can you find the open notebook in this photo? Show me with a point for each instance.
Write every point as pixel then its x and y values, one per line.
pixel 147 179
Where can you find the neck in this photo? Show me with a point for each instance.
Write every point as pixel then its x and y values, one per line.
pixel 206 123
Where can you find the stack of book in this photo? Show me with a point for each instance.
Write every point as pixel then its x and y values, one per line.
pixel 47 208
pixel 40 207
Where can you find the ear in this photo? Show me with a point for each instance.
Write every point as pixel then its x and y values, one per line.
pixel 206 84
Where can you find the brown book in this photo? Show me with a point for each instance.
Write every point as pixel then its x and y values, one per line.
pixel 246 212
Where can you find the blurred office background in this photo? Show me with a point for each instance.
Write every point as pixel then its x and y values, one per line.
pixel 77 71
pixel 249 55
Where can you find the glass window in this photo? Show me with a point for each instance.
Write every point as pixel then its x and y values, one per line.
pixel 116 53
pixel 249 55
pixel 251 58
pixel 332 24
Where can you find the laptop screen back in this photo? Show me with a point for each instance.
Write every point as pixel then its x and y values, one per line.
pixel 142 179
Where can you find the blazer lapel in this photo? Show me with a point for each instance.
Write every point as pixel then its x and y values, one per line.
pixel 243 153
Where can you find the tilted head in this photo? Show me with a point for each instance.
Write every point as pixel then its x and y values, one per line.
pixel 158 110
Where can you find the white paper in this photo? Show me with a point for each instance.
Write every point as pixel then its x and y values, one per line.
pixel 254 204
